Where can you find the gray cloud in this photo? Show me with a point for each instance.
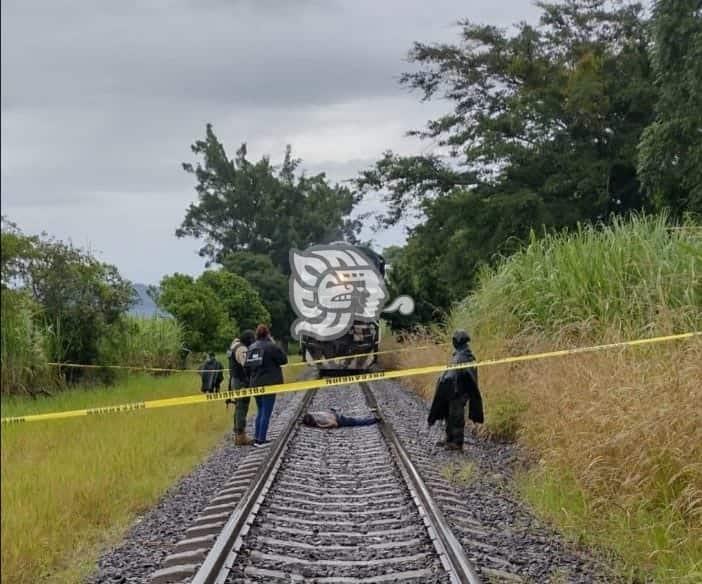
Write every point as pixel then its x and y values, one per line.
pixel 101 100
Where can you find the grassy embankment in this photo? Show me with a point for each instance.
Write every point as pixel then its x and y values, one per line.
pixel 617 434
pixel 71 487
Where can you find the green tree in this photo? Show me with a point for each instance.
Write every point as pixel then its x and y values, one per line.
pixel 78 297
pixel 206 323
pixel 401 277
pixel 270 283
pixel 543 132
pixel 213 308
pixel 15 251
pixel 392 254
pixel 255 207
pixel 239 299
pixel 670 153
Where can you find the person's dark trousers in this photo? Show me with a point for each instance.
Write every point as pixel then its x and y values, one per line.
pixel 241 411
pixel 265 405
pixel 241 406
pixel 349 421
pixel 456 420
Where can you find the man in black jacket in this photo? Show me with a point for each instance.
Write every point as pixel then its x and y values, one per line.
pixel 455 389
pixel 211 374
pixel 263 366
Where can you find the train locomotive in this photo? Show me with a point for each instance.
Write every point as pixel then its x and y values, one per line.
pixel 362 339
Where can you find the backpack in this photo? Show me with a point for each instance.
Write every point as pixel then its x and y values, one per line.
pixel 254 360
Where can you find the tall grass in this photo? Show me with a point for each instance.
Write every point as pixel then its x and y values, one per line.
pixel 632 277
pixel 618 435
pixel 28 346
pixel 23 346
pixel 143 342
pixel 71 487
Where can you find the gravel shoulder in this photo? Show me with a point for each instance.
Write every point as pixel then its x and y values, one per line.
pixel 486 497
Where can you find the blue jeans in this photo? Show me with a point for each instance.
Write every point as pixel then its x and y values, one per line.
pixel 349 421
pixel 264 403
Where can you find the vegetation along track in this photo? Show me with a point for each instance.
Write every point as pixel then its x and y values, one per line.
pixel 340 506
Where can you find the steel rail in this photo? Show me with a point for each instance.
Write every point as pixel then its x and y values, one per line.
pixel 217 565
pixel 215 568
pixel 450 549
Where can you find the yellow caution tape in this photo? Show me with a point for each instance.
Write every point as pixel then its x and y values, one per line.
pixel 167 370
pixel 329 382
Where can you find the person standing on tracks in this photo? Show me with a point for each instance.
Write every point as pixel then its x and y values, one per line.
pixel 454 389
pixel 239 378
pixel 264 360
pixel 211 374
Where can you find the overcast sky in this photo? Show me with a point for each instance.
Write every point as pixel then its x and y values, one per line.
pixel 101 101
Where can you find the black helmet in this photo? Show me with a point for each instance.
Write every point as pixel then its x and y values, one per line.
pixel 460 338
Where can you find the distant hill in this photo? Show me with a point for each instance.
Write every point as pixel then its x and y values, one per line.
pixel 144 306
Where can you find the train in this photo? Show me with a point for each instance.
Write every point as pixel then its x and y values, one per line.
pixel 363 339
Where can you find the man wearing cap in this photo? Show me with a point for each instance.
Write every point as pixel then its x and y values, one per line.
pixel 239 378
pixel 455 389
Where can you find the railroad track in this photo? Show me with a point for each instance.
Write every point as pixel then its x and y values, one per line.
pixel 344 506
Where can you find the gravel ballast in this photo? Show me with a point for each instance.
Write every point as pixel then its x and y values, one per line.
pixel 338 511
pixel 484 512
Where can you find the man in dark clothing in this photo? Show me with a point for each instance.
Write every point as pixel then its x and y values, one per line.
pixel 263 366
pixel 211 374
pixel 454 389
pixel 333 419
pixel 238 378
